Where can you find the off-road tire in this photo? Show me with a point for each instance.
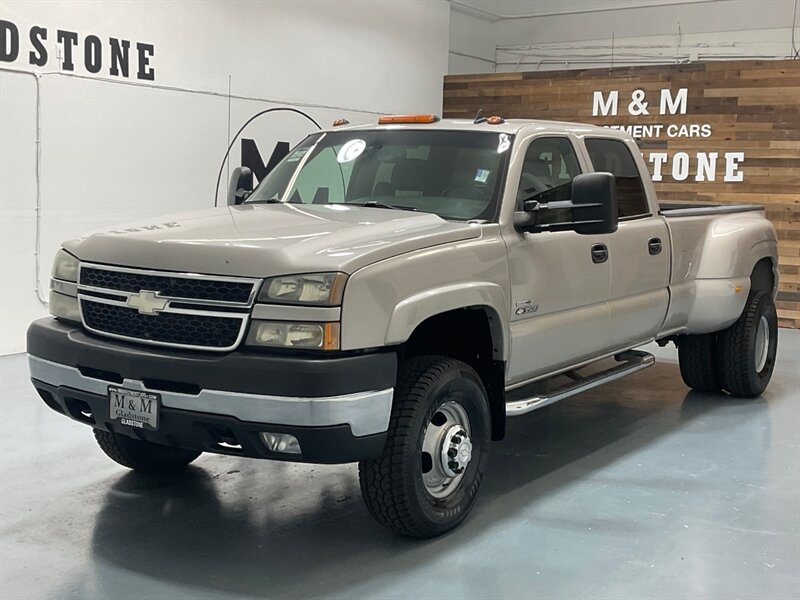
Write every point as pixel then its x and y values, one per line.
pixel 697 359
pixel 392 485
pixel 736 348
pixel 143 456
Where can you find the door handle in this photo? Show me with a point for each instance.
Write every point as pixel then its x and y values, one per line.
pixel 654 246
pixel 599 253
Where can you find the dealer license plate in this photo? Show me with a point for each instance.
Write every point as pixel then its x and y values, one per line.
pixel 134 408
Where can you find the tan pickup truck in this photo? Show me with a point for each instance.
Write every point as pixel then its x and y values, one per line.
pixel 390 294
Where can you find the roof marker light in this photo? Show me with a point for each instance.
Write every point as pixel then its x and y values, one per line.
pixel 391 119
pixel 338 122
pixel 495 120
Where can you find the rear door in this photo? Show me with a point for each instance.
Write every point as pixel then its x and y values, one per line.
pixel 638 250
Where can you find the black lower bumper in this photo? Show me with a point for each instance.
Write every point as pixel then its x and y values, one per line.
pixel 189 373
pixel 216 433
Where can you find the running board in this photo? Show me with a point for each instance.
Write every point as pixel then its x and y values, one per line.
pixel 630 362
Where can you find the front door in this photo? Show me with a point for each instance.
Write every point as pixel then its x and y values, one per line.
pixel 559 280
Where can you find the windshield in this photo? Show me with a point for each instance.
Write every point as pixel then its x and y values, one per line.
pixel 454 174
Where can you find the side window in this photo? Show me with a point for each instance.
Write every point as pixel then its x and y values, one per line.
pixel 613 156
pixel 547 173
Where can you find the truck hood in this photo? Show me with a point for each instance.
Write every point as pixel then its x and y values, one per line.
pixel 262 240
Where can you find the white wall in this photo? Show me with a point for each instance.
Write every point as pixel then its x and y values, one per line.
pixel 114 150
pixel 472 43
pixel 574 34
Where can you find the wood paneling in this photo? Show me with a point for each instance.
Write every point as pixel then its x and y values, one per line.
pixel 751 107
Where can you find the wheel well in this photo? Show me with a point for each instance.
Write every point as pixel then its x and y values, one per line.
pixel 762 279
pixel 466 334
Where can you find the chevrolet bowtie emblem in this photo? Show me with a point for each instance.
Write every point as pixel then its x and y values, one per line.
pixel 147 303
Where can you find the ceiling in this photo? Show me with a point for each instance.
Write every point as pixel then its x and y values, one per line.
pixel 517 8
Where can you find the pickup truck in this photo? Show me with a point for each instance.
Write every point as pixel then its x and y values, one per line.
pixel 391 294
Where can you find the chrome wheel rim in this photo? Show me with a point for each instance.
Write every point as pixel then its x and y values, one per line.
pixel 762 343
pixel 446 449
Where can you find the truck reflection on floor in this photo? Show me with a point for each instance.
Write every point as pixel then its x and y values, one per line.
pixel 247 527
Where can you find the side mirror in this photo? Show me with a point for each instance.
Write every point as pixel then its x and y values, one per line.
pixel 240 186
pixel 594 199
pixel 593 208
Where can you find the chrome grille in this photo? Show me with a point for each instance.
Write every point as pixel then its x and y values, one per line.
pixel 174 286
pixel 170 328
pixel 186 310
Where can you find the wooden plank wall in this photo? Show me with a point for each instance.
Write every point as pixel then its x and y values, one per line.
pixel 750 106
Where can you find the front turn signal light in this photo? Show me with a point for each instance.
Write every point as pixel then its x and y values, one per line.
pixel 288 334
pixel 64 307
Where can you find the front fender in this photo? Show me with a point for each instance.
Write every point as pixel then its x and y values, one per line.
pixel 412 311
pixel 384 302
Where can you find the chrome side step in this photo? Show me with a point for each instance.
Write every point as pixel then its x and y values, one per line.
pixel 630 362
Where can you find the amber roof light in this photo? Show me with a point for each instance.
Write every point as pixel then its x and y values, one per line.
pixel 391 119
pixel 338 122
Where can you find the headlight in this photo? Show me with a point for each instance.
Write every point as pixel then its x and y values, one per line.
pixel 320 289
pixel 65 266
pixel 285 334
pixel 64 307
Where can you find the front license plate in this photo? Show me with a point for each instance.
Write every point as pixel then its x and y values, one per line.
pixel 134 408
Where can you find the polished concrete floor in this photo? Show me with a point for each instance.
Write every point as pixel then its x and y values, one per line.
pixel 639 489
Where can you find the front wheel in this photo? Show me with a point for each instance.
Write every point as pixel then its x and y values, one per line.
pixel 746 350
pixel 426 481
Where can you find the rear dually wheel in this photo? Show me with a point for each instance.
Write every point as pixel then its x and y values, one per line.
pixel 746 350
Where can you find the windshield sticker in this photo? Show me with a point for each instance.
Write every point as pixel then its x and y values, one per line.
pixel 351 151
pixel 297 154
pixel 504 143
pixel 481 175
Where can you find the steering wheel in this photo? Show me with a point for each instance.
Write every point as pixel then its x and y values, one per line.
pixel 467 191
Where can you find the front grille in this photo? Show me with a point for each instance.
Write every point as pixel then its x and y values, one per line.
pixel 173 309
pixel 168 328
pixel 190 288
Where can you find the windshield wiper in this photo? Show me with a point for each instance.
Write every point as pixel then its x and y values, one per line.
pixel 376 204
pixel 273 200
